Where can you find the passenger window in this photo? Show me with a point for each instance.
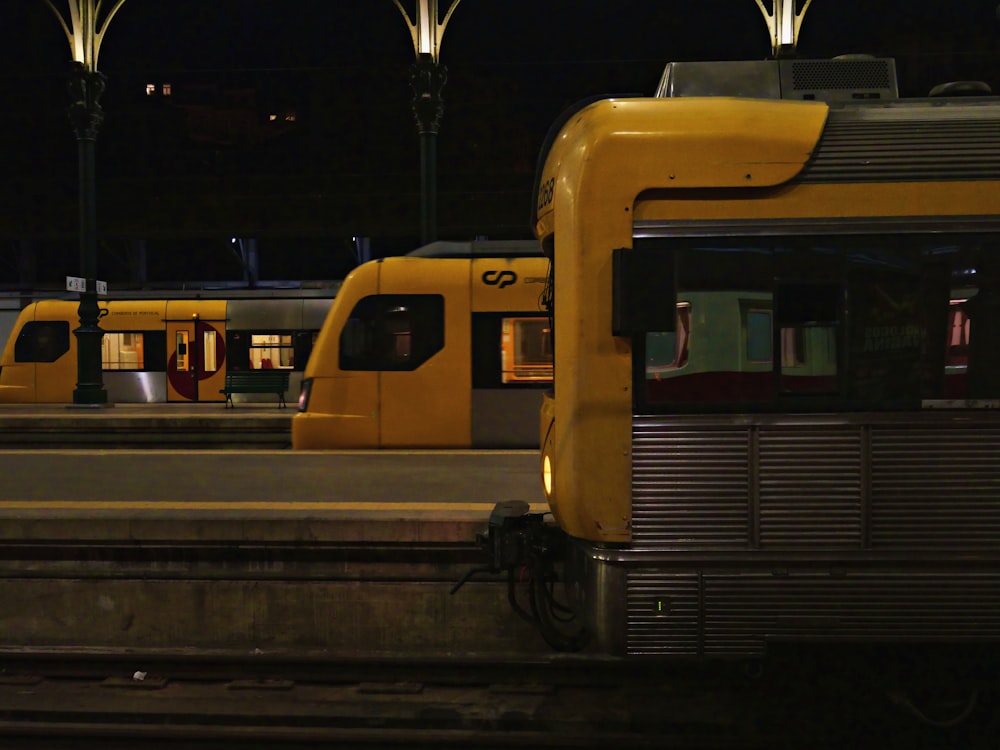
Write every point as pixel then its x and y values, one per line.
pixel 42 341
pixel 668 350
pixel 759 336
pixel 526 350
pixel 123 351
pixel 392 332
pixel 271 351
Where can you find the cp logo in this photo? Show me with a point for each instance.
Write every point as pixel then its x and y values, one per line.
pixel 499 279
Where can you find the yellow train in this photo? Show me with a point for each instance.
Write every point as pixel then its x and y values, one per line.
pixel 164 350
pixel 445 347
pixel 773 419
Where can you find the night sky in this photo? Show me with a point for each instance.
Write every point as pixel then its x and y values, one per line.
pixel 341 66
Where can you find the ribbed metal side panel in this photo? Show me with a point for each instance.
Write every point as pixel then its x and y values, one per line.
pixel 662 613
pixel 904 144
pixel 854 527
pixel 689 486
pixel 934 488
pixel 810 487
pixel 743 611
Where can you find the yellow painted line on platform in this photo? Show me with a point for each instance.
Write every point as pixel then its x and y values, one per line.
pixel 245 505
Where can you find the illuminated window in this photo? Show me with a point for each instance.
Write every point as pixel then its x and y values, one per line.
pixel 167 89
pixel 150 89
pixel 181 345
pixel 526 350
pixel 122 351
pixel 271 351
pixel 208 347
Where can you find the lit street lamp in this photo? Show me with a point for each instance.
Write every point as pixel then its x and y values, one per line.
pixel 783 23
pixel 427 77
pixel 85 30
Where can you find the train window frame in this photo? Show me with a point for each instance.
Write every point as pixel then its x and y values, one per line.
pixel 112 363
pixel 916 263
pixel 392 332
pixel 524 357
pixel 42 341
pixel 284 348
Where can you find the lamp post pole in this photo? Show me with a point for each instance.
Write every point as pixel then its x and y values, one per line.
pixel 84 31
pixel 427 78
pixel 85 114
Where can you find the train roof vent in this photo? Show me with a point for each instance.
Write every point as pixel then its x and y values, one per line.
pixel 961 88
pixel 842 78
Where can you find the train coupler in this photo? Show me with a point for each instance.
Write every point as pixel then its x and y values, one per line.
pixel 513 536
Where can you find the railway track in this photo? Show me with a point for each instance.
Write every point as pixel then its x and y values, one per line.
pixel 169 700
pixel 199 699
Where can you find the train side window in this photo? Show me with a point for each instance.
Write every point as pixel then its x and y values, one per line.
pixel 271 351
pixel 668 350
pixel 123 351
pixel 392 332
pixel 958 334
pixel 807 336
pixel 154 346
pixel 42 341
pixel 759 335
pixel 526 350
pixel 209 343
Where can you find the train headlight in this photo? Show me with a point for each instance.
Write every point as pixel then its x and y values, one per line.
pixel 304 394
pixel 547 475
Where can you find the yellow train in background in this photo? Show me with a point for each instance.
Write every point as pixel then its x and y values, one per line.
pixel 448 346
pixel 164 350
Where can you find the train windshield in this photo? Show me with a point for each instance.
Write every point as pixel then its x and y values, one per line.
pixel 839 322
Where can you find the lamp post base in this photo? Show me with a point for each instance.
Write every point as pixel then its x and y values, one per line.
pixel 89 387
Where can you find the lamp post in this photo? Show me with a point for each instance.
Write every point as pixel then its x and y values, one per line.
pixel 85 30
pixel 427 78
pixel 783 23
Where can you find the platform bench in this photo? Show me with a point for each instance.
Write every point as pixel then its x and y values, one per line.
pixel 256 381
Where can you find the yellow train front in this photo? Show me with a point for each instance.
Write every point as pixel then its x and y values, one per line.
pixel 754 435
pixel 447 346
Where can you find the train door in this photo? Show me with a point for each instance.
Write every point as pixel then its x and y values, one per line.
pixel 196 350
pixel 511 354
pixel 425 382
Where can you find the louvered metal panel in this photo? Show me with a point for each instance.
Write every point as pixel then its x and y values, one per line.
pixel 936 488
pixel 689 485
pixel 737 614
pixel 810 487
pixel 857 527
pixel 904 143
pixel 743 612
pixel 663 614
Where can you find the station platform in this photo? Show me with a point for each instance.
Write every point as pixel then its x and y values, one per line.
pixel 164 546
pixel 157 425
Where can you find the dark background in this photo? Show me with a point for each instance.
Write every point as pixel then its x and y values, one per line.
pixel 184 174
